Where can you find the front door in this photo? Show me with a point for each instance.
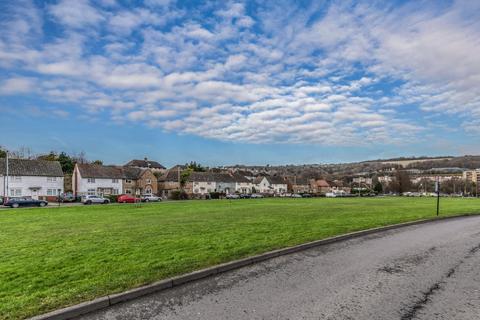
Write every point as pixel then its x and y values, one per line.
pixel 35 194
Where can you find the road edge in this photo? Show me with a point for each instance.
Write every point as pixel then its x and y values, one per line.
pixel 110 300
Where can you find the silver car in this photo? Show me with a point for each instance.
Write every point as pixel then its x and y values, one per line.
pixel 94 199
pixel 150 198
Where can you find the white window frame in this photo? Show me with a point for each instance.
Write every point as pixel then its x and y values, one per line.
pixel 90 180
pixel 17 179
pixel 91 192
pixel 51 179
pixel 15 192
pixel 114 180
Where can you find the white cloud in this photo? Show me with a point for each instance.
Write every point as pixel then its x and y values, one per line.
pixel 341 77
pixel 17 85
pixel 76 13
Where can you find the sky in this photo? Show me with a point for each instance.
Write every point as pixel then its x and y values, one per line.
pixel 241 82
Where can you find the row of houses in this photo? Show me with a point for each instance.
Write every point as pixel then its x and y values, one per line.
pixel 45 180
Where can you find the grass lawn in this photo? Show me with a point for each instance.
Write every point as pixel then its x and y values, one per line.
pixel 54 257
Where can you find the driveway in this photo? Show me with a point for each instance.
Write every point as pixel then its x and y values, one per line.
pixel 429 271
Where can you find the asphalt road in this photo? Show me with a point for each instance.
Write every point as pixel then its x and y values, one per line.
pixel 429 271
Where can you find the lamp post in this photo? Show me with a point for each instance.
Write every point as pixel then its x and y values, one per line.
pixel 6 179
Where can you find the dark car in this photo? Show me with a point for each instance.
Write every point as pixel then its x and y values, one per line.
pixel 25 202
pixel 245 196
pixel 67 197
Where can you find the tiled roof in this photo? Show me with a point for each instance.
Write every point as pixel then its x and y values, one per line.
pixel 210 177
pixel 23 167
pixel 276 180
pixel 239 178
pixel 100 172
pixel 322 183
pixel 145 164
pixel 133 173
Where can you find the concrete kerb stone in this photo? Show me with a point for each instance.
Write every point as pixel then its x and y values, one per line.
pixel 104 302
pixel 139 292
pixel 76 310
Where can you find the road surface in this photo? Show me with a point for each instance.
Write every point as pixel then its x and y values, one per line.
pixel 429 271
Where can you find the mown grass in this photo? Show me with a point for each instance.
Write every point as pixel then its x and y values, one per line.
pixel 54 257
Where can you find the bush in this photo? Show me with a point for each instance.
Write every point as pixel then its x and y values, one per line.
pixel 178 195
pixel 216 195
pixel 112 198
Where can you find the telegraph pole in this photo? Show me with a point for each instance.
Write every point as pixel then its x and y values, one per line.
pixel 437 189
pixel 7 179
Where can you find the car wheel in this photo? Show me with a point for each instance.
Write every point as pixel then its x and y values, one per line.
pixel 42 204
pixel 146 200
pixel 105 202
pixel 88 202
pixel 15 205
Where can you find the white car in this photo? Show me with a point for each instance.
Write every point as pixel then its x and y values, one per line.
pixel 256 196
pixel 94 199
pixel 150 198
pixel 232 196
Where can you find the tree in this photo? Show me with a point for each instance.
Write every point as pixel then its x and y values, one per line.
pixel 195 167
pixel 378 188
pixel 66 162
pixel 184 177
pixel 98 162
pixel 402 181
pixel 48 157
pixel 3 153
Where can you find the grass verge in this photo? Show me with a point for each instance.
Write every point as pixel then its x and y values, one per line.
pixel 54 257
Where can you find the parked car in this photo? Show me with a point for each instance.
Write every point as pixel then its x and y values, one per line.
pixel 67 197
pixel 127 198
pixel 150 198
pixel 306 195
pixel 25 202
pixel 90 199
pixel 256 196
pixel 245 196
pixel 232 196
pixel 295 195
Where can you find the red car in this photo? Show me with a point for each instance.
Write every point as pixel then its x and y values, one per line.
pixel 127 198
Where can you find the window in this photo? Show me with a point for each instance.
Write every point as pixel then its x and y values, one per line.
pixel 128 181
pixel 17 179
pixel 149 181
pixel 91 180
pixel 114 180
pixel 128 191
pixel 51 192
pixel 51 179
pixel 15 192
pixel 91 192
pixel 115 191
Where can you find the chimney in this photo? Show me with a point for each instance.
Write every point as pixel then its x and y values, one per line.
pixel 145 158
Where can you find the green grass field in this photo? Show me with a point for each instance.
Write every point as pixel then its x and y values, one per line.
pixel 54 257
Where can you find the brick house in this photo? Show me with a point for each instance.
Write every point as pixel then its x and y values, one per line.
pixel 139 181
pixel 319 186
pixel 146 164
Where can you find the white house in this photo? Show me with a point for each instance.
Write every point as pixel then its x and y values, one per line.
pixel 205 182
pixel 91 179
pixel 38 179
pixel 270 184
pixel 242 184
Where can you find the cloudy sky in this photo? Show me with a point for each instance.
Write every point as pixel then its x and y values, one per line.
pixel 241 82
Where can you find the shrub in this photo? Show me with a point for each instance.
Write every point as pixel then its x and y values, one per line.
pixel 112 198
pixel 178 195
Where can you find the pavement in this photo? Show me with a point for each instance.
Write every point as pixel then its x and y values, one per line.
pixel 428 271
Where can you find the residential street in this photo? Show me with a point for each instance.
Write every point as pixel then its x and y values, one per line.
pixel 429 271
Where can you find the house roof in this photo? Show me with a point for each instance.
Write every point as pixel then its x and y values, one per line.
pixel 145 164
pixel 133 173
pixel 210 177
pixel 172 174
pixel 276 180
pixel 299 180
pixel 321 183
pixel 23 167
pixel 237 177
pixel 99 171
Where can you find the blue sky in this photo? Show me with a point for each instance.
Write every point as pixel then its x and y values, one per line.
pixel 228 82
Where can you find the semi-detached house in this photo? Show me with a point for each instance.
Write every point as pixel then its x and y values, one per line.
pixel 91 179
pixel 38 179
